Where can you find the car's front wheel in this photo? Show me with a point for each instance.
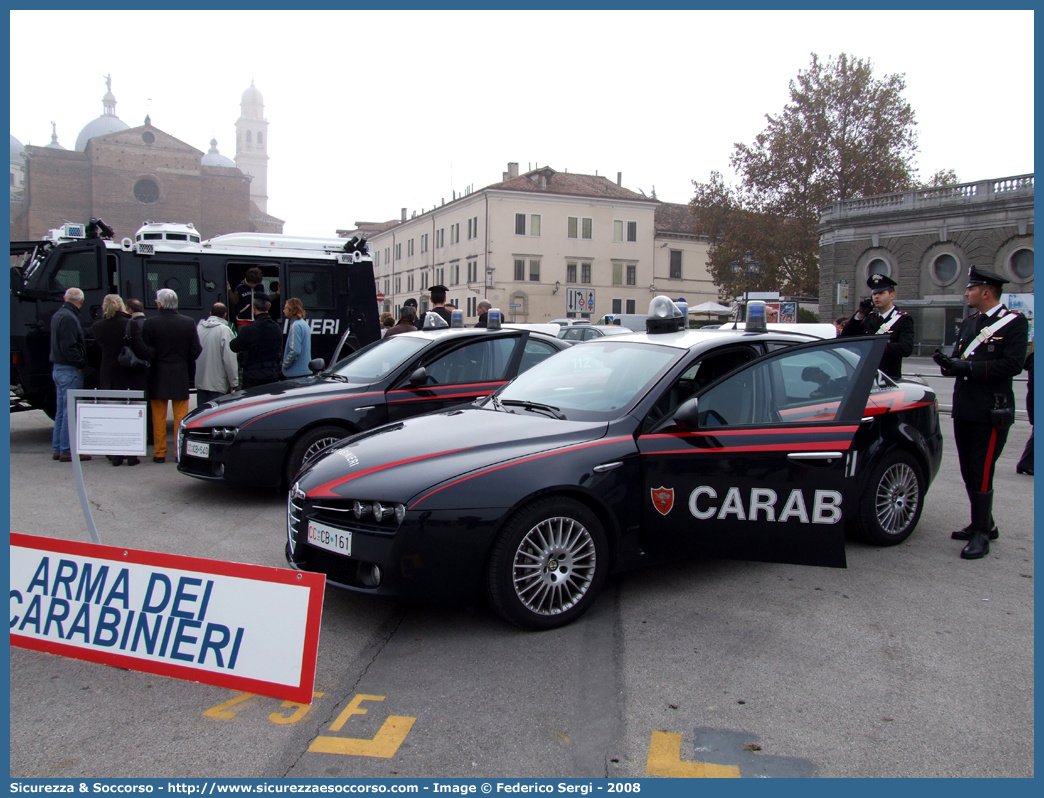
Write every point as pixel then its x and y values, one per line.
pixel 308 446
pixel 892 502
pixel 547 564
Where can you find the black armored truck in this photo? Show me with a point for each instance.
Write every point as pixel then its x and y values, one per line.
pixel 333 278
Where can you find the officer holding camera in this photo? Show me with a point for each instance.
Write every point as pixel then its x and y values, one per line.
pixel 879 315
pixel 990 350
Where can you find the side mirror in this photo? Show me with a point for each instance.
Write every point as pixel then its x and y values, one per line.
pixel 317 365
pixel 419 377
pixel 687 414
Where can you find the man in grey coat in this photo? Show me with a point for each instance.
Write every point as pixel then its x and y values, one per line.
pixel 217 371
pixel 69 356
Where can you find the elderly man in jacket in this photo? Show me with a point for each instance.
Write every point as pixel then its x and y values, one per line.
pixel 69 356
pixel 173 348
pixel 217 372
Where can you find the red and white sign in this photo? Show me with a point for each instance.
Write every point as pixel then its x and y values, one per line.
pixel 244 627
pixel 380 298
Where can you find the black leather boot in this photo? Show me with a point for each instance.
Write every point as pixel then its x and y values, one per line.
pixel 979 545
pixel 966 533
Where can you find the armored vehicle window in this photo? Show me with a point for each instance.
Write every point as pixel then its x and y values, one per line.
pixel 77 270
pixel 181 278
pixel 314 287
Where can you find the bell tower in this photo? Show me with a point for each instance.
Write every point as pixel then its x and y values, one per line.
pixel 252 145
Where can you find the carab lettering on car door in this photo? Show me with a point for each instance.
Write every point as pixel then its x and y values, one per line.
pixel 760 472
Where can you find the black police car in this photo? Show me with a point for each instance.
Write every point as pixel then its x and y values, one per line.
pixel 261 437
pixel 760 445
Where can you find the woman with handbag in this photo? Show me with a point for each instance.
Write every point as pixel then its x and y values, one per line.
pixel 112 334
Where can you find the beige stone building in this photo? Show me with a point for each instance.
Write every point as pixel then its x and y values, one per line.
pixel 540 246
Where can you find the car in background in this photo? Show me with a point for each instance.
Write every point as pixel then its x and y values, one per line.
pixel 623 452
pixel 261 437
pixel 587 332
pixel 564 323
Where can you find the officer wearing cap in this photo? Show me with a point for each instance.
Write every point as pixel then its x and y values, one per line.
pixel 880 315
pixel 438 301
pixel 990 350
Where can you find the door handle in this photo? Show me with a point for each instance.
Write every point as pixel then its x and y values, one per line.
pixel 601 469
pixel 813 455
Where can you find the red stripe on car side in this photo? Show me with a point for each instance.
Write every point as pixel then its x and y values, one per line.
pixel 775 447
pixel 196 423
pixel 575 448
pixel 447 387
pixel 781 431
pixel 324 491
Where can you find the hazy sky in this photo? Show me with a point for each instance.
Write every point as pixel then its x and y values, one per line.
pixel 370 112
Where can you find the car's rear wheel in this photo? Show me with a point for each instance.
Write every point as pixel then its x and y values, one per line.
pixel 310 444
pixel 547 564
pixel 891 505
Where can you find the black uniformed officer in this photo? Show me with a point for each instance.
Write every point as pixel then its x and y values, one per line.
pixel 990 350
pixel 880 315
pixel 438 301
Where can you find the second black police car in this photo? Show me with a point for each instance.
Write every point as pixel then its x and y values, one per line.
pixel 755 444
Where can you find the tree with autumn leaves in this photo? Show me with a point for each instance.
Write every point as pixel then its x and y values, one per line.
pixel 844 134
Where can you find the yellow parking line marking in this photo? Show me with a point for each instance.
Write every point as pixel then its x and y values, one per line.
pixel 383 745
pixel 220 710
pixel 302 710
pixel 665 760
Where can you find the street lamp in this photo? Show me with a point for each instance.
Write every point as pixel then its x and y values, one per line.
pixel 747 268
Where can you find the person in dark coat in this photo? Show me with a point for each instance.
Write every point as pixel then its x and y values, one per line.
pixel 1025 465
pixel 109 337
pixel 136 308
pixel 261 345
pixel 69 356
pixel 483 310
pixel 172 345
pixel 438 301
pixel 245 293
pixel 407 322
pixel 990 350
pixel 880 315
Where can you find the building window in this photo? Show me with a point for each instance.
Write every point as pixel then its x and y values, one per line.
pixel 571 227
pixel 440 276
pixel 260 138
pixel 630 306
pixel 534 224
pixel 944 268
pixel 472 271
pixel 520 224
pixel 472 227
pixel 409 248
pixel 398 285
pixel 424 281
pixel 619 227
pixel 146 190
pixel 586 228
pixel 585 273
pixel 455 233
pixel 1022 264
pixel 632 231
pixel 520 269
pixel 440 238
pixel 617 306
pixel 248 137
pixel 618 273
pixel 387 254
pixel 398 252
pixel 632 276
pixel 409 281
pixel 534 271
pixel 472 306
pixel 454 274
pixel 387 286
pixel 424 243
pixel 878 266
pixel 570 272
pixel 377 259
pixel 676 257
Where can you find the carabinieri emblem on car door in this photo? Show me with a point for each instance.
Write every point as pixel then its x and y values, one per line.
pixel 662 499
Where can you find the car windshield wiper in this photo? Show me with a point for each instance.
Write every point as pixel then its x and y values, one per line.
pixel 554 412
pixel 336 377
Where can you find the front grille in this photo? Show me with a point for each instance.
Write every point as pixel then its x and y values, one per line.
pixel 294 513
pixel 340 569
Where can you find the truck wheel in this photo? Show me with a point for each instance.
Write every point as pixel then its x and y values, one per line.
pixel 548 564
pixel 891 505
pixel 308 446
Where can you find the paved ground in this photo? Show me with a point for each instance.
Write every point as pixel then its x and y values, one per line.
pixel 910 662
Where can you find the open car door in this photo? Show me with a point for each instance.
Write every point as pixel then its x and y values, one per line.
pixel 755 465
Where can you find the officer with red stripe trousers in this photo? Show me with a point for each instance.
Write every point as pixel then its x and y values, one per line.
pixel 990 350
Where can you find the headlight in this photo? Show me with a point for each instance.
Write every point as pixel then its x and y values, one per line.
pixel 381 510
pixel 400 512
pixel 223 433
pixel 360 509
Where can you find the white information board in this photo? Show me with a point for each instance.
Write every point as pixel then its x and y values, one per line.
pixel 117 429
pixel 580 300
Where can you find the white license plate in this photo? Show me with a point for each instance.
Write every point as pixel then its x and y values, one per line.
pixel 325 537
pixel 197 449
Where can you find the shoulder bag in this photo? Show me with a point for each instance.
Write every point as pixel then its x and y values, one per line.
pixel 127 358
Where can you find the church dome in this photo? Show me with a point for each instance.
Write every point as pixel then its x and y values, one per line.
pixel 17 150
pixel 108 122
pixel 215 158
pixel 54 145
pixel 252 96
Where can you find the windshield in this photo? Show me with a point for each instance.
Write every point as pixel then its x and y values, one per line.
pixel 379 359
pixel 593 382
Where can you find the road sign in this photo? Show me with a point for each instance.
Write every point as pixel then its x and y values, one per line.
pixel 516 304
pixel 580 300
pixel 380 298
